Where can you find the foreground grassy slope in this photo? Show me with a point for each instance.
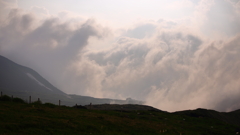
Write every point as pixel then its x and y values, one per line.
pixel 36 118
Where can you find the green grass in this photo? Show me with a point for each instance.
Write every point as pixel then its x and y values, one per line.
pixel 37 118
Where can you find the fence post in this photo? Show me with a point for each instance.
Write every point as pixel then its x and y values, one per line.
pixel 59 103
pixel 12 97
pixel 29 99
pixel 1 93
pixel 38 99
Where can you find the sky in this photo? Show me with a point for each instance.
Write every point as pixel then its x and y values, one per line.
pixel 172 54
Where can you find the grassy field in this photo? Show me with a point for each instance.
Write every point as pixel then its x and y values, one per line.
pixel 17 117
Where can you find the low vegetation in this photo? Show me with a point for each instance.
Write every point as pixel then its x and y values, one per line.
pixel 19 117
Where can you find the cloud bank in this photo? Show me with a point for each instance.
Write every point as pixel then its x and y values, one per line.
pixel 171 65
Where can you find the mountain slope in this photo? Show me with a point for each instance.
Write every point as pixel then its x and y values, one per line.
pixel 23 82
pixel 14 76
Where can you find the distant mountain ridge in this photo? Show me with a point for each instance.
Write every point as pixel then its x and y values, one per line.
pixel 23 82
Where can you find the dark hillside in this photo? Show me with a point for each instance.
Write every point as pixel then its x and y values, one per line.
pixel 231 117
pixel 17 117
pixel 14 76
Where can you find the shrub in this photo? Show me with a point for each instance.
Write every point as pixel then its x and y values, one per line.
pixel 5 98
pixel 18 100
pixel 37 102
pixel 50 105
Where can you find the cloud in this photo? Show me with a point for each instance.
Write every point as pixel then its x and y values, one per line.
pixel 225 18
pixel 174 71
pixel 170 65
pixel 212 71
pixel 52 43
pixel 5 6
pixel 141 31
pixel 17 24
pixel 40 11
pixel 216 18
